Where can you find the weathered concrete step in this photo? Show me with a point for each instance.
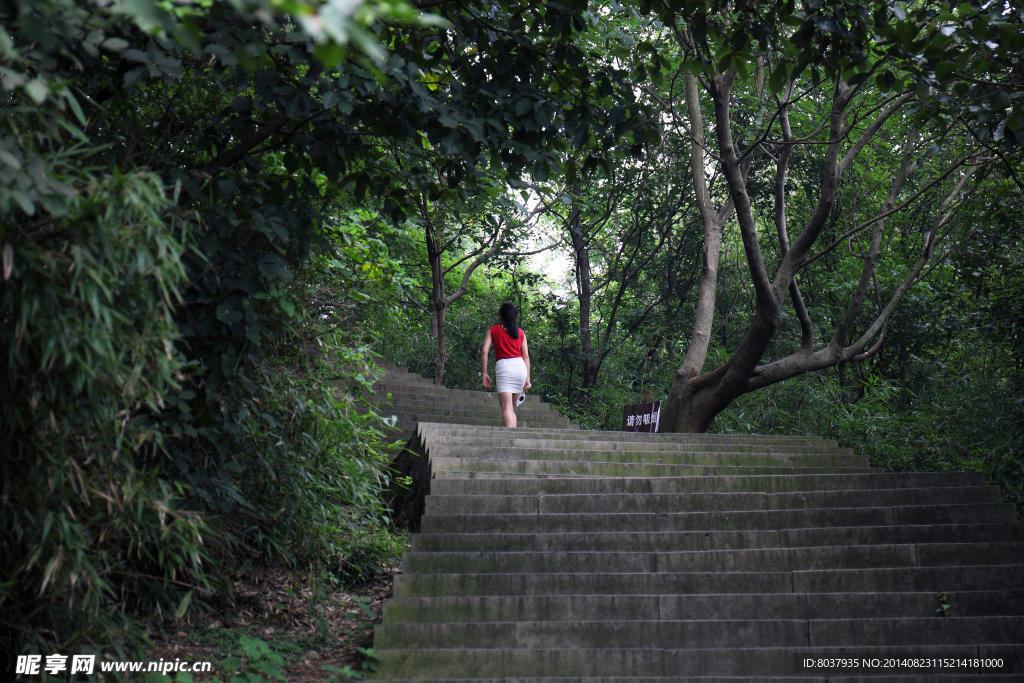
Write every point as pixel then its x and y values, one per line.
pixel 880 678
pixel 904 579
pixel 622 469
pixel 411 378
pixel 447 664
pixel 727 606
pixel 397 432
pixel 1003 513
pixel 632 446
pixel 598 435
pixel 862 580
pixel 485 419
pixel 465 409
pixel 555 450
pixel 454 475
pixel 412 425
pixel 767 484
pixel 493 421
pixel 406 386
pixel 726 458
pixel 450 414
pixel 390 399
pixel 741 560
pixel 634 541
pixel 911 678
pixel 697 633
pixel 532 402
pixel 705 501
pixel 485 413
pixel 704 665
pixel 610 442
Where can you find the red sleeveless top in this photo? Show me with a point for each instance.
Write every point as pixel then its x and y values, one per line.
pixel 504 345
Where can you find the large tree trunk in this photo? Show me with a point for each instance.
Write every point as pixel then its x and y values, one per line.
pixel 584 292
pixel 704 313
pixel 696 400
pixel 439 302
pixel 442 349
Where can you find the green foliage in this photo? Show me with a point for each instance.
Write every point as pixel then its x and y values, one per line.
pixel 345 673
pixel 943 609
pixel 258 663
pixel 956 418
pixel 963 61
pixel 181 357
pixel 87 342
pixel 370 658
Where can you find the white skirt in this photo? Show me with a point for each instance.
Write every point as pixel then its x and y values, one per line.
pixel 510 374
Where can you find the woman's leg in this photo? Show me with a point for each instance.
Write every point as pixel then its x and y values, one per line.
pixel 507 402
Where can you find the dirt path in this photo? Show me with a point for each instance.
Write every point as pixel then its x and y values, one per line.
pixel 278 609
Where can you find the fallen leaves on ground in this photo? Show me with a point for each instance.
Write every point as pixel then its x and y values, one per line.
pixel 277 606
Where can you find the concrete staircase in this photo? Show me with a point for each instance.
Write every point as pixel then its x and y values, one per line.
pixel 564 556
pixel 412 399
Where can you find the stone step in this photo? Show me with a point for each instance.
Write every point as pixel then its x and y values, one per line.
pixel 452 413
pixel 732 560
pixel 398 436
pixel 455 475
pixel 697 633
pixel 767 484
pixel 503 449
pixel 482 417
pixel 621 469
pixel 461 430
pixel 810 678
pixel 492 421
pixel 488 410
pixel 634 541
pixel 383 395
pixel 708 606
pixel 725 458
pixel 458 408
pixel 995 513
pixel 705 664
pixel 455 407
pixel 412 426
pixel 410 386
pixel 455 443
pixel 532 401
pixel 705 501
pixel 861 580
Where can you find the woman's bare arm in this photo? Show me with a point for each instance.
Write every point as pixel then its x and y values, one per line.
pixel 485 378
pixel 526 357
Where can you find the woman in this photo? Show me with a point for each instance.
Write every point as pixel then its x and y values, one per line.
pixel 512 368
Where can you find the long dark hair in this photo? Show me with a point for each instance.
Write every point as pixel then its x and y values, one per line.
pixel 507 314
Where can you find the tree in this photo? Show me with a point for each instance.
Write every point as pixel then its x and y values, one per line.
pixel 446 233
pixel 851 87
pixel 177 186
pixel 631 226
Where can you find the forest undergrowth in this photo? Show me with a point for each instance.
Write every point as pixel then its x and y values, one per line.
pixel 288 623
pixel 952 423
